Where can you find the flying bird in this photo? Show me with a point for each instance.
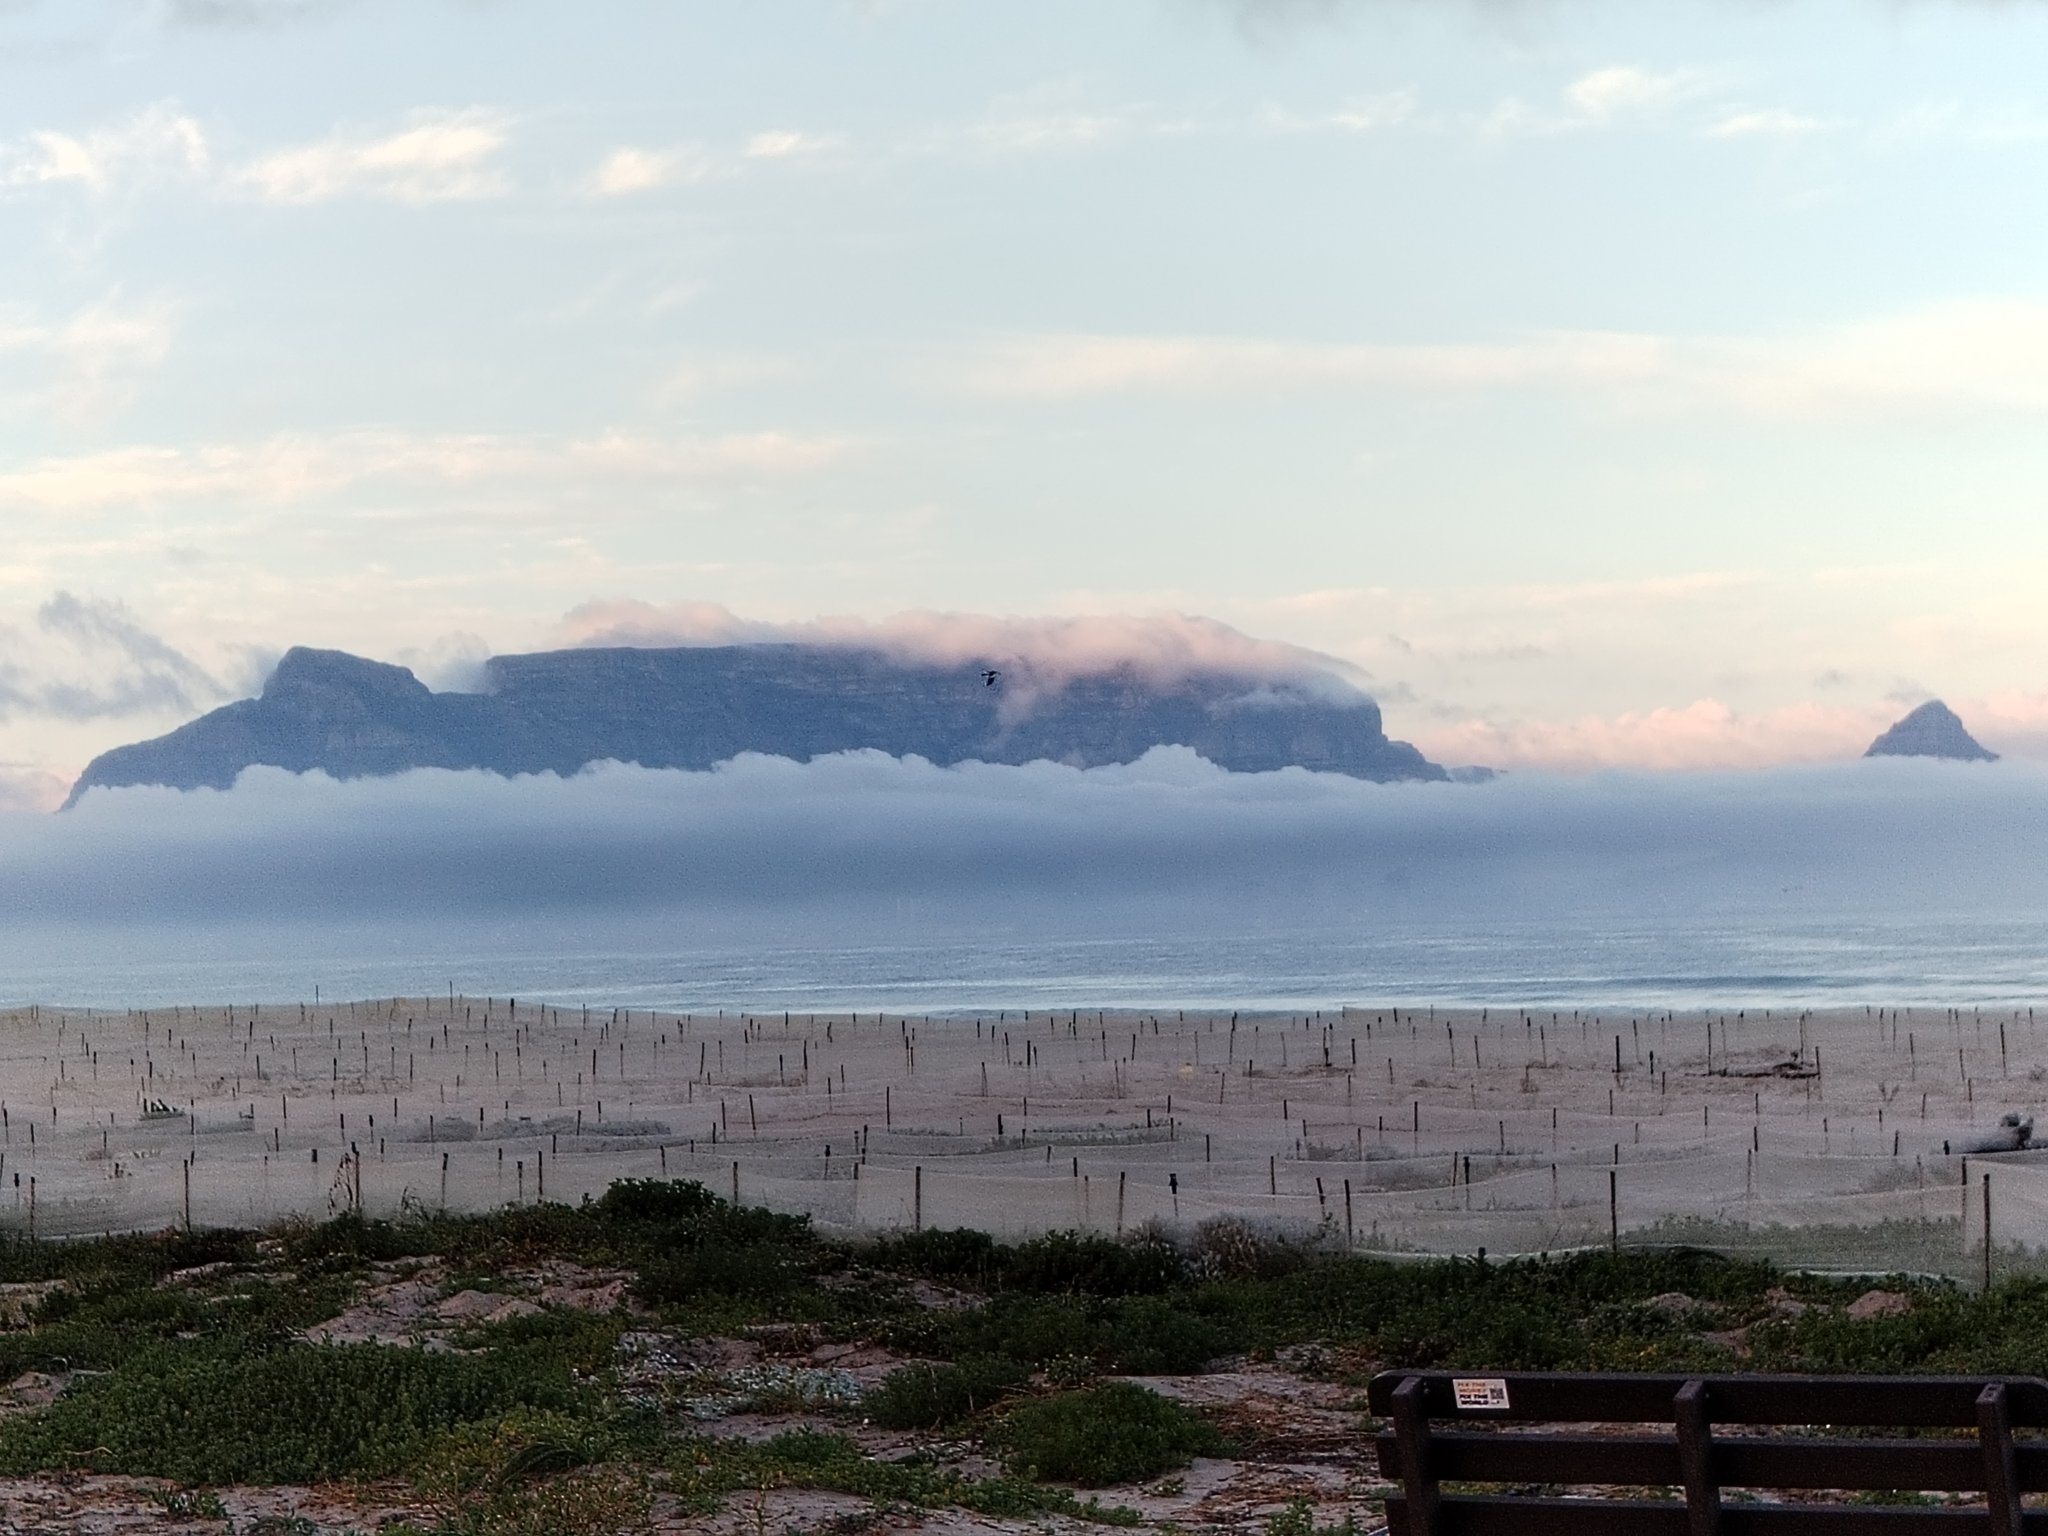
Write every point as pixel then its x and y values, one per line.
pixel 988 677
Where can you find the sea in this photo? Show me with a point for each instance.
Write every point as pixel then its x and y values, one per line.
pixel 1781 961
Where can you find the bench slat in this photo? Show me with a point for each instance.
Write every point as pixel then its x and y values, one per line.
pixel 1477 1457
pixel 1908 1402
pixel 1947 1466
pixel 1465 1515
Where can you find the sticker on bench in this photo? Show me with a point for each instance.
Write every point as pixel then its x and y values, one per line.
pixel 1479 1392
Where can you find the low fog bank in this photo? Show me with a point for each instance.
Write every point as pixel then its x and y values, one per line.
pixel 865 845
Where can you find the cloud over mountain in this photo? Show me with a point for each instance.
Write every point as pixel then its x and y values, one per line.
pixel 862 843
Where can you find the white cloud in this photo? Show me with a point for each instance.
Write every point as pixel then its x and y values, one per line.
pixel 298 468
pixel 1600 98
pixel 1046 651
pixel 1948 122
pixel 714 374
pixel 628 171
pixel 783 144
pixel 1947 358
pixel 1052 130
pixel 158 140
pixel 1765 123
pixel 441 156
pixel 1051 118
pixel 1937 361
pixel 1059 366
pixel 1625 90
pixel 1706 734
pixel 1361 114
pixel 93 362
pixel 248 13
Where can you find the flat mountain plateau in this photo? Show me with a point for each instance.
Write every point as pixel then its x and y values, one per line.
pixel 692 707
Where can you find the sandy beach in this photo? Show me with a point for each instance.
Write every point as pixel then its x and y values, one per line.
pixel 1388 1128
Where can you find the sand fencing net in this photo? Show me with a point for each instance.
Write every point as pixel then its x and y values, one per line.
pixel 1849 1140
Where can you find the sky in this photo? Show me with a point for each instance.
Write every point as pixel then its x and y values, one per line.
pixel 1610 385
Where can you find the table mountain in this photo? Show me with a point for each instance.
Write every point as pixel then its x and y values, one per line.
pixel 1932 730
pixel 690 707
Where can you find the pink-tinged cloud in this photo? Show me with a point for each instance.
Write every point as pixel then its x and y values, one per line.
pixel 2010 721
pixel 1045 652
pixel 1705 734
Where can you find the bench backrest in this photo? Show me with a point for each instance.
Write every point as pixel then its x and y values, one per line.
pixel 1696 1462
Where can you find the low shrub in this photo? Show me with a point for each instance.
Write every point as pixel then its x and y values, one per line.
pixel 655 1202
pixel 1059 1263
pixel 954 1254
pixel 353 1238
pixel 1298 1518
pixel 703 1469
pixel 1115 1433
pixel 927 1396
pixel 218 1412
pixel 532 1474
pixel 1082 1264
pixel 1138 1335
pixel 1231 1248
pixel 719 1269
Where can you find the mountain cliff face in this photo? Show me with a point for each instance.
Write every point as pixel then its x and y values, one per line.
pixel 690 707
pixel 1932 730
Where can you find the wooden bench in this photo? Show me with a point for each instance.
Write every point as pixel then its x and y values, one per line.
pixel 1702 1435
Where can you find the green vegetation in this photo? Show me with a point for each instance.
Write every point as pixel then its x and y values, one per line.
pixel 1115 1433
pixel 926 1396
pixel 184 1356
pixel 532 1474
pixel 702 1469
pixel 212 1411
pixel 1299 1519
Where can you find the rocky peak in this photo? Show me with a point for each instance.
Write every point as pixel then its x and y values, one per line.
pixel 304 668
pixel 1932 730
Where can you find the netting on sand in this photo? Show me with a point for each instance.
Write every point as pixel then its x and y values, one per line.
pixel 1835 1140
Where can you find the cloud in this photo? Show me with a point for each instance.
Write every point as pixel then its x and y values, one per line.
pixel 784 144
pixel 1765 123
pixel 1262 18
pixel 1952 123
pixel 1601 98
pixel 2009 720
pixel 158 141
pixel 1280 873
pixel 1361 114
pixel 301 467
pixel 251 13
pixel 440 156
pixel 95 360
pixel 629 171
pixel 1263 22
pixel 88 659
pixel 450 663
pixel 714 374
pixel 1944 361
pixel 632 170
pixel 1040 652
pixel 1055 117
pixel 1018 133
pixel 1622 90
pixel 25 788
pixel 1072 365
pixel 1704 735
